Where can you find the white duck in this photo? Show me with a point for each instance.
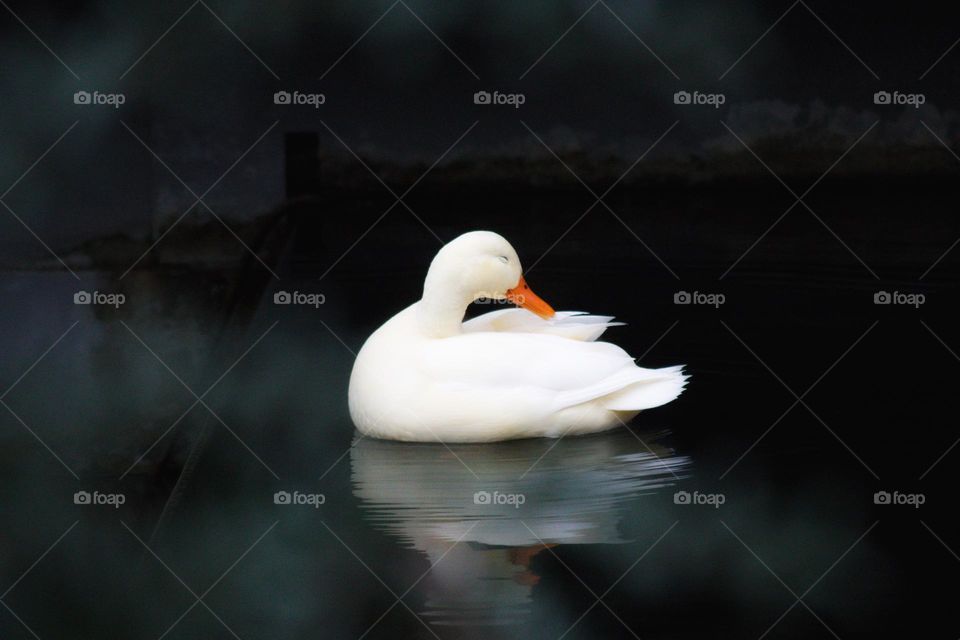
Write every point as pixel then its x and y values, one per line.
pixel 426 375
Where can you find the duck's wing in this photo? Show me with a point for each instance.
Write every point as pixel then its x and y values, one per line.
pixel 575 325
pixel 569 372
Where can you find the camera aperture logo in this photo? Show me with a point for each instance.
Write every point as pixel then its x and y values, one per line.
pixel 498 498
pixel 512 99
pixel 485 297
pixel 112 499
pixel 298 297
pixel 898 298
pixel 297 98
pixel 697 98
pixel 297 498
pixel 712 499
pixel 99 298
pixel 911 499
pixel 699 298
pixel 109 99
pixel 896 98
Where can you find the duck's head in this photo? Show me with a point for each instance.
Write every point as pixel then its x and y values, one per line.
pixel 481 264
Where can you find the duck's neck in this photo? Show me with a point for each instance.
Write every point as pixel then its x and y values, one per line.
pixel 440 314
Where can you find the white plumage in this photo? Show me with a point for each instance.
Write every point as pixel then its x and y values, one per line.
pixel 426 375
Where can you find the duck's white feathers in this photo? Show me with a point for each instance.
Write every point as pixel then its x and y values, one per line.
pixel 575 325
pixel 426 375
pixel 574 371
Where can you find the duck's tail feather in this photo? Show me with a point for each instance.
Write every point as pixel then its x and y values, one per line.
pixel 651 393
pixel 631 389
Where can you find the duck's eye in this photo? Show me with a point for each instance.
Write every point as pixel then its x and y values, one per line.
pixel 504 259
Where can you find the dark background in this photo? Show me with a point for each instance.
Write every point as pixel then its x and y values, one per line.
pixel 302 199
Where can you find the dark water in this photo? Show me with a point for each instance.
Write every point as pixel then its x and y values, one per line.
pixel 585 537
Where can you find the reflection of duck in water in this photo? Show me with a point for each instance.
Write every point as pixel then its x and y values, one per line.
pixel 504 503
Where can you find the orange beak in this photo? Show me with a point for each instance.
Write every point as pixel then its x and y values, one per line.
pixel 522 296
